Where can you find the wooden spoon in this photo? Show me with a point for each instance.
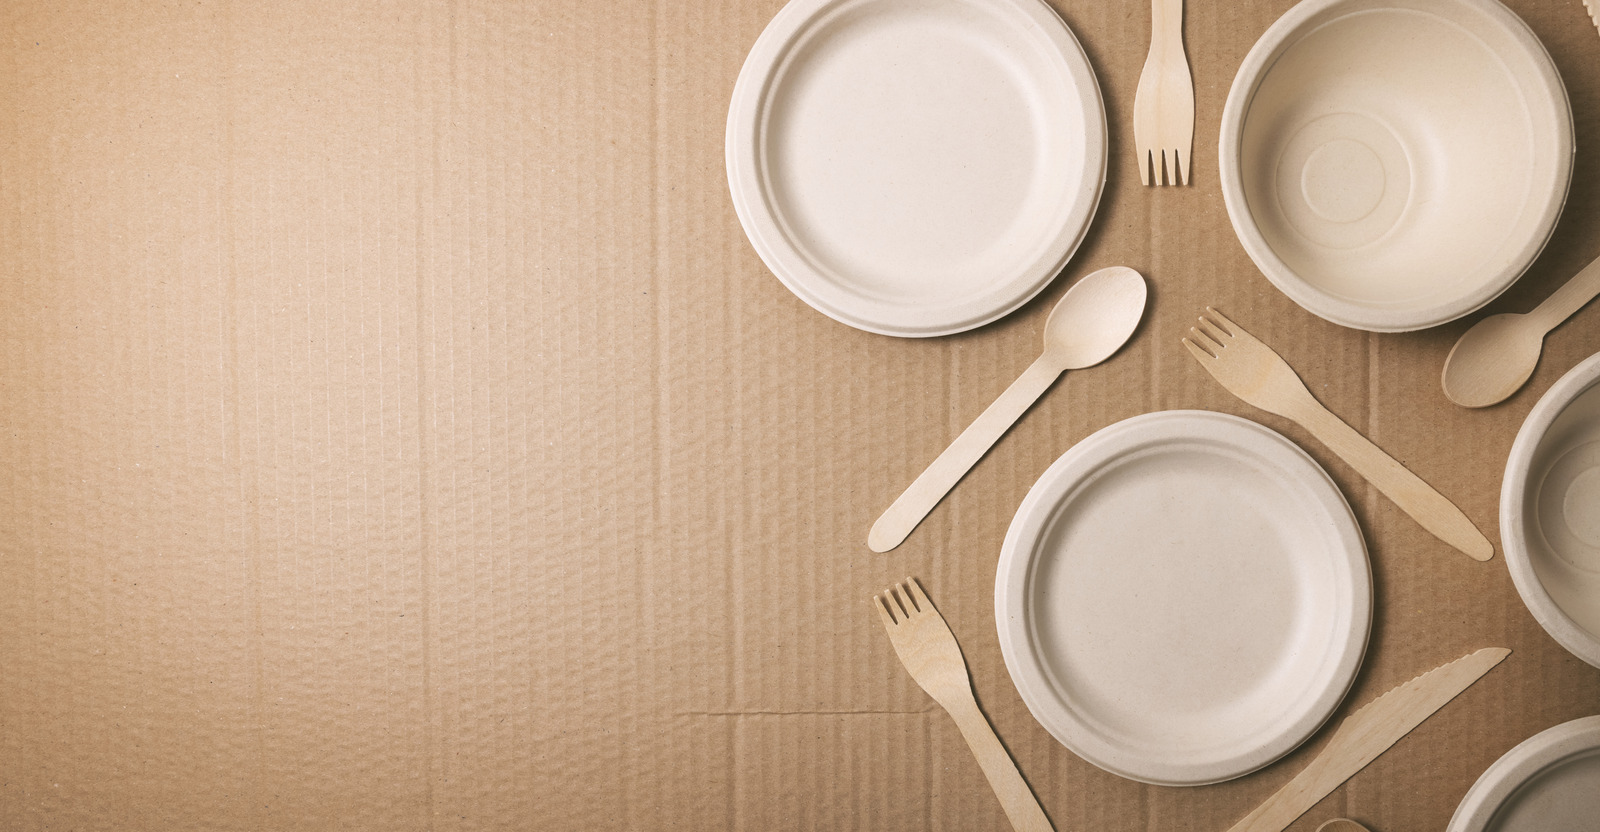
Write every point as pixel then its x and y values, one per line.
pixel 1496 356
pixel 1090 322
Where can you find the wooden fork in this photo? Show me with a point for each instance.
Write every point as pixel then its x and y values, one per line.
pixel 1259 376
pixel 929 651
pixel 1163 106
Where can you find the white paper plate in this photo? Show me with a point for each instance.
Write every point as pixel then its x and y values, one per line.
pixel 916 167
pixel 1183 597
pixel 1549 783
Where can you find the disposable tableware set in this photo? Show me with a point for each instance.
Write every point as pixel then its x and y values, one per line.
pixel 917 168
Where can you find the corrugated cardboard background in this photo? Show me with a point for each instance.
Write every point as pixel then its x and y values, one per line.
pixel 397 432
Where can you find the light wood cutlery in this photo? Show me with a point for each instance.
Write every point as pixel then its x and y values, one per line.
pixel 1366 734
pixel 1088 325
pixel 1250 370
pixel 1163 105
pixel 1496 356
pixel 928 649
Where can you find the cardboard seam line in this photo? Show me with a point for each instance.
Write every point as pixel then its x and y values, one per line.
pixel 864 712
pixel 436 115
pixel 249 473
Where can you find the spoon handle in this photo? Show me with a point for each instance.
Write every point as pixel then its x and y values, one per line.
pixel 1166 24
pixel 1568 299
pixel 939 477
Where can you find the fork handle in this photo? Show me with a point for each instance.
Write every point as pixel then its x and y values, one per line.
pixel 1166 23
pixel 1021 807
pixel 1417 498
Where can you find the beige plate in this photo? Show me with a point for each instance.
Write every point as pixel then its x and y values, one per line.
pixel 1395 165
pixel 916 167
pixel 1183 597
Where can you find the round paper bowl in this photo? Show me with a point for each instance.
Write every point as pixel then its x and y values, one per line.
pixel 1549 782
pixel 1392 165
pixel 1550 511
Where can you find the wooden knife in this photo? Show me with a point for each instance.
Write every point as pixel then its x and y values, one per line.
pixel 1367 733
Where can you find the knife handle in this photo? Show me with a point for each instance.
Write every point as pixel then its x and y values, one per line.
pixel 1325 773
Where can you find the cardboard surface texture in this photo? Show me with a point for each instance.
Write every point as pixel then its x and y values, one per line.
pixel 398 432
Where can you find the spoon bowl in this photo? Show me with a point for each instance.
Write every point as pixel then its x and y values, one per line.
pixel 1095 318
pixel 1496 356
pixel 1493 359
pixel 1342 825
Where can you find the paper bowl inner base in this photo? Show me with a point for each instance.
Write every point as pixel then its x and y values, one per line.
pixel 1394 162
pixel 1562 505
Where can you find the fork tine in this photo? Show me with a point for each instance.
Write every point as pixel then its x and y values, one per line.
pixel 904 600
pixel 893 604
pixel 1144 166
pixel 1180 167
pixel 1215 330
pixel 1232 328
pixel 1197 352
pixel 1205 339
pixel 883 611
pixel 918 597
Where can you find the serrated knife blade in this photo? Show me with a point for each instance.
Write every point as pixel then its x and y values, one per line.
pixel 1366 734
